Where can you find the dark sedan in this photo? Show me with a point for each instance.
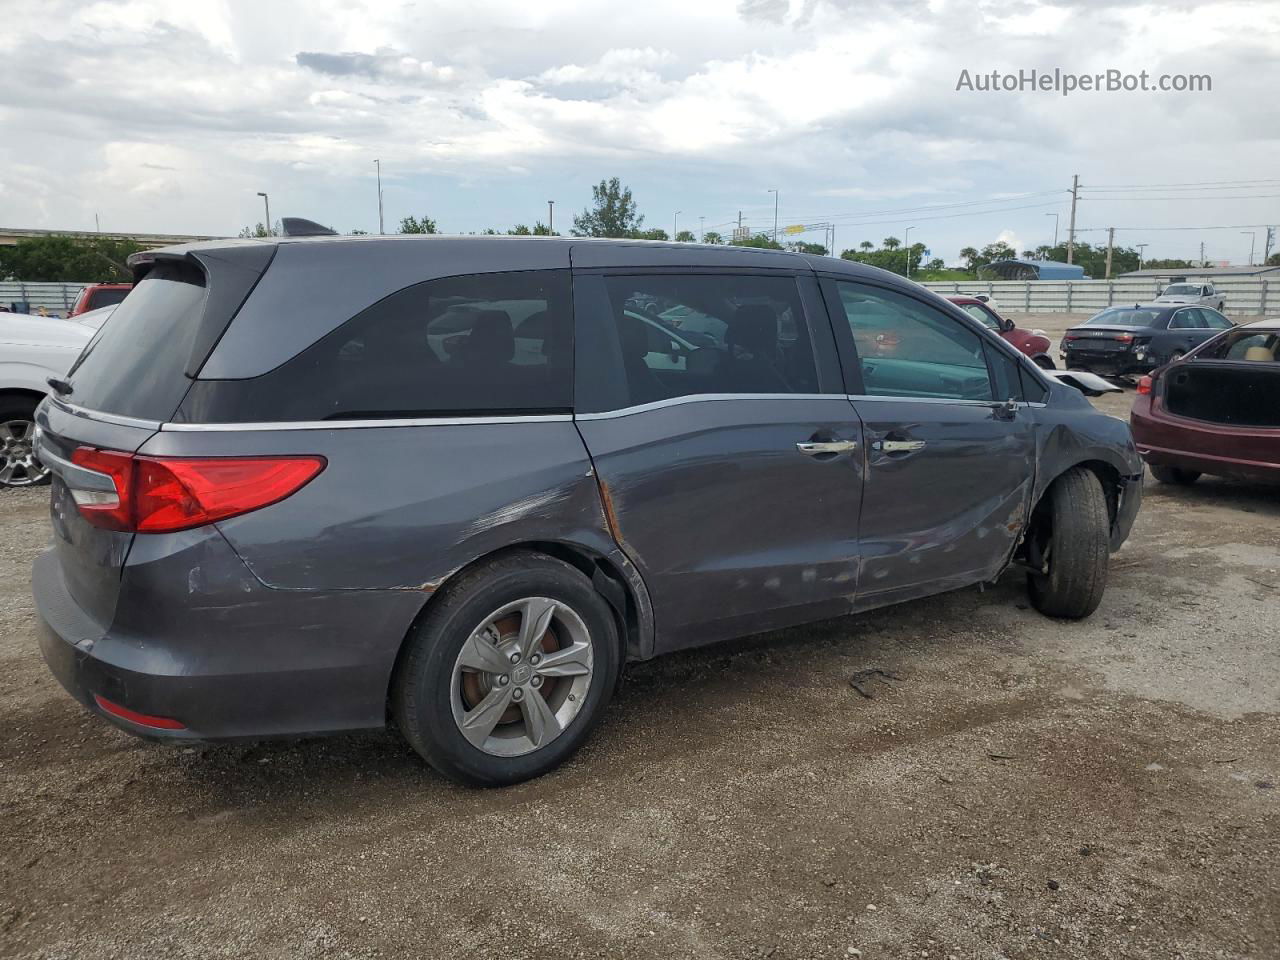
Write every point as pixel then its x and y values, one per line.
pixel 1137 339
pixel 1215 412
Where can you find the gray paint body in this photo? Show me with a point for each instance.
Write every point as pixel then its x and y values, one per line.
pixel 699 517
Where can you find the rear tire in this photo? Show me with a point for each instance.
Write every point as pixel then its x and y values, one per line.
pixel 1174 474
pixel 18 466
pixel 1078 548
pixel 535 720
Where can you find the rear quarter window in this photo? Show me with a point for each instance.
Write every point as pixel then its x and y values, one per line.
pixel 482 344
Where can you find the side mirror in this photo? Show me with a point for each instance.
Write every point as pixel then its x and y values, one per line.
pixel 1006 324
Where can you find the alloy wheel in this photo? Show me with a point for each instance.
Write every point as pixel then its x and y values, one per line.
pixel 18 464
pixel 522 676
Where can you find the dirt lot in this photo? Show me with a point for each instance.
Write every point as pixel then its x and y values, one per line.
pixel 1028 789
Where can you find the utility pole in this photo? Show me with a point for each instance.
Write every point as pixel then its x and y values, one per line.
pixel 906 243
pixel 1266 248
pixel 775 213
pixel 1202 253
pixel 701 231
pixel 831 250
pixel 1111 242
pixel 1141 248
pixel 738 232
pixel 551 217
pixel 96 225
pixel 674 222
pixel 378 164
pixel 1071 230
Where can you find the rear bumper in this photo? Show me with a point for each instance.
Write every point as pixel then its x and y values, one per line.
pixel 1204 449
pixel 1118 365
pixel 315 663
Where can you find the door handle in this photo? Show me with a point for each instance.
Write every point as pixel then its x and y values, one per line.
pixel 815 449
pixel 898 446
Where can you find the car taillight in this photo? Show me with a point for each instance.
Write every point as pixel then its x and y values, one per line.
pixel 1125 337
pixel 165 494
pixel 1144 385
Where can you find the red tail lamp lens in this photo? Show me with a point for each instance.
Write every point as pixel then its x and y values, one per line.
pixel 1144 385
pixel 165 494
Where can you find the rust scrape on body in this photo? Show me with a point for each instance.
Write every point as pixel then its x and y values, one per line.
pixel 610 514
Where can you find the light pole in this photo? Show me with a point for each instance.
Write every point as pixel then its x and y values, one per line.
pixel 1055 227
pixel 675 220
pixel 551 217
pixel 906 242
pixel 378 164
pixel 775 213
pixel 1253 240
pixel 267 203
pixel 701 228
pixel 1141 248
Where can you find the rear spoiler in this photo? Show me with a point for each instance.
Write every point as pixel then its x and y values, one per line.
pixel 1090 384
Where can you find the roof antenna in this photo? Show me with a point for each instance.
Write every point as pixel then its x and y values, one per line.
pixel 300 227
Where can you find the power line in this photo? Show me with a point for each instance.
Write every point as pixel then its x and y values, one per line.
pixel 1230 226
pixel 1190 183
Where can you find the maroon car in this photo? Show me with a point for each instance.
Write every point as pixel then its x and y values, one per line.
pixel 1031 342
pixel 1215 411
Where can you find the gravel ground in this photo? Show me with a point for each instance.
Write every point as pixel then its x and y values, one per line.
pixel 1028 789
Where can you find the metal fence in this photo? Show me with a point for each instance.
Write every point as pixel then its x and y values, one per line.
pixel 55 297
pixel 1243 295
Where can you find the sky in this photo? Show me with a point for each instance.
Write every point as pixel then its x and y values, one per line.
pixel 171 117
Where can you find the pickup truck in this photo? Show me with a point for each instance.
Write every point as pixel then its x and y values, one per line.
pixel 1200 294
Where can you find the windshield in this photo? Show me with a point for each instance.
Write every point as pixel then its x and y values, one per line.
pixel 1182 290
pixel 1126 317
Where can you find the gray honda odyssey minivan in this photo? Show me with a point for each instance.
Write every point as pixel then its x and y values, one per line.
pixel 454 483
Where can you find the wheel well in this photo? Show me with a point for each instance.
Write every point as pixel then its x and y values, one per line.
pixel 1107 475
pixel 34 396
pixel 608 580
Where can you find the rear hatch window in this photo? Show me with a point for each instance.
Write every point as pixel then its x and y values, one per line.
pixel 135 365
pixel 106 296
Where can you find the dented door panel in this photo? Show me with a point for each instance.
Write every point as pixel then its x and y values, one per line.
pixel 734 529
pixel 947 495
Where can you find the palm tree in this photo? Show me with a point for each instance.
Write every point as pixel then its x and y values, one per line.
pixel 867 245
pixel 891 243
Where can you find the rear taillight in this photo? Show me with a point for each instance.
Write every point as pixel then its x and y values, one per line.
pixel 1125 337
pixel 164 494
pixel 1144 385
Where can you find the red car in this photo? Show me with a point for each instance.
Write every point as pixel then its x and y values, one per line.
pixel 1031 342
pixel 1216 410
pixel 97 295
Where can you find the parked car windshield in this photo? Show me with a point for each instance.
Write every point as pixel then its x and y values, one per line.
pixel 1126 317
pixel 983 316
pixel 1182 290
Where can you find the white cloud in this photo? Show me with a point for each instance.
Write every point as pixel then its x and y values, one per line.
pixel 170 117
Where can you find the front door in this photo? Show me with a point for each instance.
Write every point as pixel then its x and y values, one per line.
pixel 950 462
pixel 732 476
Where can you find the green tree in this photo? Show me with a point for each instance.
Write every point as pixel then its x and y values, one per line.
pixel 712 237
pixel 1273 260
pixel 800 246
pixel 414 225
pixel 685 236
pixel 256 232
pixel 761 240
pixel 657 233
pixel 970 257
pixel 612 213
pixel 66 259
pixel 866 245
pixel 891 243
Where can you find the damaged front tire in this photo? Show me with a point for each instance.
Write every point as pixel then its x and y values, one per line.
pixel 1073 532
